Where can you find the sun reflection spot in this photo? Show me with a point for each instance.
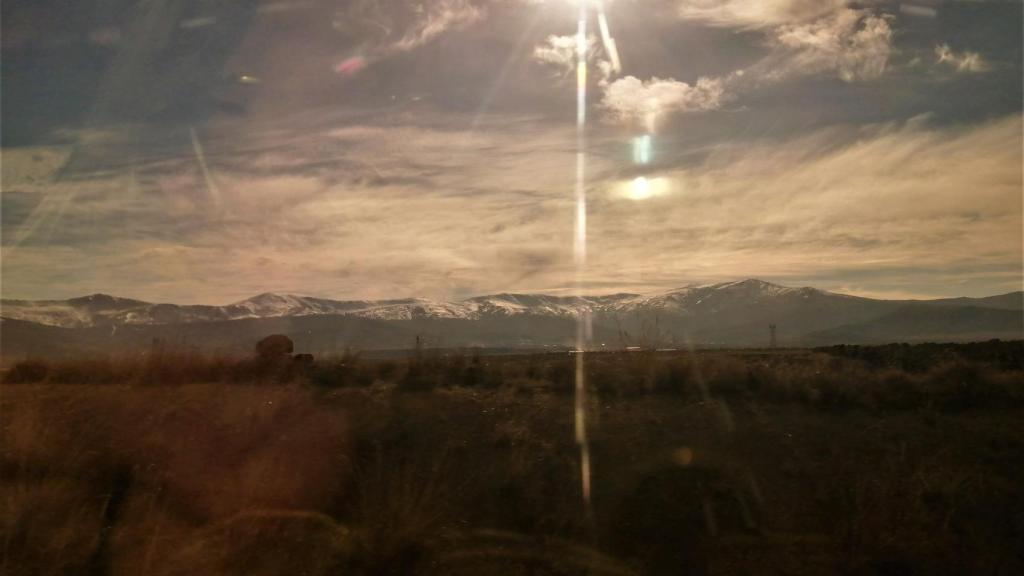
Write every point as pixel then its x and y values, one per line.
pixel 640 188
pixel 643 188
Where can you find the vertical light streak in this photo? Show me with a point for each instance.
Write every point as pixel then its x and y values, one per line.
pixel 211 186
pixel 580 254
pixel 581 71
pixel 642 149
pixel 607 40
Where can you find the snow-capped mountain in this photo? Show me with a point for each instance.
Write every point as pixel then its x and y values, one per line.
pixel 85 312
pixel 724 314
pixel 543 305
pixel 102 309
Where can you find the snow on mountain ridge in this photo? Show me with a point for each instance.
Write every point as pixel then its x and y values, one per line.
pixel 102 309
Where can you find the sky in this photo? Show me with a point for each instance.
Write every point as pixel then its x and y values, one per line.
pixel 204 151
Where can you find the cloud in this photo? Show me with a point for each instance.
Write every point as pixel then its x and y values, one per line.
pixel 965 61
pixel 753 14
pixel 883 205
pixel 632 100
pixel 374 207
pixel 853 43
pixel 383 29
pixel 802 38
pixel 329 205
pixel 805 36
pixel 560 51
pixel 436 17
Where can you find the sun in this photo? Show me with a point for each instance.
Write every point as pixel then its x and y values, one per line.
pixel 639 189
pixel 643 188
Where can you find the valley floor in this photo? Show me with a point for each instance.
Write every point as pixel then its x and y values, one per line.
pixel 383 475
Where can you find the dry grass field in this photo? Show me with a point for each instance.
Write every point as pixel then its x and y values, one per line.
pixel 890 460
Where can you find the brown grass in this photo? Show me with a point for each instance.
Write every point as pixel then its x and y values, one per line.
pixel 718 462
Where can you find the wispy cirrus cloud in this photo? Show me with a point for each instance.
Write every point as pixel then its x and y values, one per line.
pixel 854 44
pixel 801 38
pixel 383 29
pixel 883 203
pixel 755 14
pixel 358 187
pixel 433 18
pixel 965 61
pixel 376 208
pixel 331 206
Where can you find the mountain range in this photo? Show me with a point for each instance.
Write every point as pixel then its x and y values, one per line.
pixel 724 315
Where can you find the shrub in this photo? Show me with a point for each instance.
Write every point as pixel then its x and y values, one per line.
pixel 726 377
pixel 960 385
pixel 26 371
pixel 676 377
pixel 840 393
pixel 386 370
pixel 91 371
pixel 562 375
pixel 346 370
pixel 479 374
pixel 899 390
pixel 419 377
pixel 274 346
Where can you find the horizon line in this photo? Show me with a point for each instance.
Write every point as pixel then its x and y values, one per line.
pixel 502 293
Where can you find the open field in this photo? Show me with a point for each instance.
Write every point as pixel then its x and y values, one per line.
pixel 883 460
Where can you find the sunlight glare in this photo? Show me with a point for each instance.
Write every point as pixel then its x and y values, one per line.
pixel 643 188
pixel 640 189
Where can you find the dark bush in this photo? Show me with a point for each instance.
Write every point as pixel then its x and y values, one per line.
pixel 420 376
pixel 959 385
pixel 533 370
pixel 344 371
pixel 26 371
pixel 899 390
pixel 840 394
pixel 726 378
pixel 561 374
pixel 480 374
pixel 607 380
pixel 91 371
pixel 675 377
pixel 387 369
pixel 274 346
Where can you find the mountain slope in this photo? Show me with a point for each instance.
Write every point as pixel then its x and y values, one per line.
pixel 1011 301
pixel 922 323
pixel 725 314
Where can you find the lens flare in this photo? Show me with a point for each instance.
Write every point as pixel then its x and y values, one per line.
pixel 642 149
pixel 580 254
pixel 350 66
pixel 643 188
pixel 640 188
pixel 211 185
pixel 606 39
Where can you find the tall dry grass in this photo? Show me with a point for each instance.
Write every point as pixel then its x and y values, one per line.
pixel 719 462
